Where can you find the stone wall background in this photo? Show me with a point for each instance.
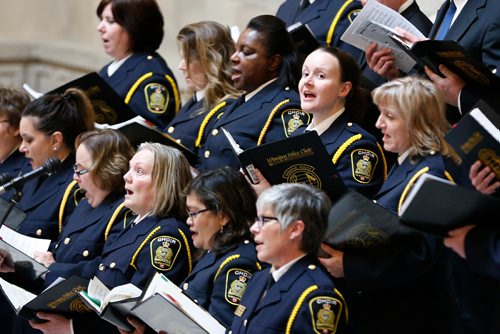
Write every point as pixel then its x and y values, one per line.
pixel 46 43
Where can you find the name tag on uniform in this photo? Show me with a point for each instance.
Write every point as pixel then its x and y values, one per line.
pixel 240 310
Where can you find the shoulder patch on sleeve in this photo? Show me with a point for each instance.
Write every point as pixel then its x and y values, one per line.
pixel 164 250
pixel 363 165
pixel 293 119
pixel 325 313
pixel 157 97
pixel 236 284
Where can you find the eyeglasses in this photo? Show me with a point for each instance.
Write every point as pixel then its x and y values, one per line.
pixel 262 220
pixel 79 172
pixel 194 214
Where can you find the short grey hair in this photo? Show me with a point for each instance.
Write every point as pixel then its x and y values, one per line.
pixel 293 201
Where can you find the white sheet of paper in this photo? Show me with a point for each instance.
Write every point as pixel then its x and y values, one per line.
pixel 374 23
pixel 27 245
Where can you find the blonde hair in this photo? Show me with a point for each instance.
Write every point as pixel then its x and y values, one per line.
pixel 211 44
pixel 420 104
pixel 171 174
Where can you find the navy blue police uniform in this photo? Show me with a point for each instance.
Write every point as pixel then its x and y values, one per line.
pixel 154 244
pixel 83 237
pixel 15 164
pixel 189 124
pixel 148 86
pixel 272 114
pixel 356 154
pixel 218 281
pixel 49 201
pixel 303 300
pixel 327 19
pixel 412 268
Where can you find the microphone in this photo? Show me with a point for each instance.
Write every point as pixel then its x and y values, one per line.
pixel 5 177
pixel 48 167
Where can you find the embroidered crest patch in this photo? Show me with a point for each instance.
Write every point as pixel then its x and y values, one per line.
pixel 157 97
pixel 302 173
pixel 236 284
pixel 363 165
pixel 325 313
pixel 294 118
pixel 164 251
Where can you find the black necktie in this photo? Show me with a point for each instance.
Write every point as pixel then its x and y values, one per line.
pixel 303 5
pixel 270 281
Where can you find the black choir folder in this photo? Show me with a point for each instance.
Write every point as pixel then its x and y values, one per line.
pixel 21 262
pixel 357 222
pixel 139 131
pixel 476 136
pixel 109 107
pixel 435 206
pixel 303 38
pixel 432 53
pixel 61 298
pixel 297 159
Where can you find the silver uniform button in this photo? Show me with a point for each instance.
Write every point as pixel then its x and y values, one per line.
pixel 215 132
pixel 170 129
pixel 85 253
pixel 349 124
pixel 311 266
pixel 39 232
pixel 246 242
pixel 150 57
pixel 112 265
pixel 66 241
pixel 101 267
pixel 178 141
pixel 245 322
pixel 185 286
pixel 207 154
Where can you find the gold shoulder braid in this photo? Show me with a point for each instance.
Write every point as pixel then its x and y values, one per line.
pixel 384 161
pixel 226 261
pixel 335 21
pixel 177 97
pixel 207 118
pixel 297 306
pixel 64 201
pixel 112 220
pixel 136 85
pixel 269 120
pixel 188 250
pixel 410 184
pixel 344 147
pixel 134 257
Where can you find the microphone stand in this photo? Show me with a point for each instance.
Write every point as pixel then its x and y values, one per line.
pixel 16 197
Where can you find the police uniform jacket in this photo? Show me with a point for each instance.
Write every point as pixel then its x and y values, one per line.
pixel 476 29
pixel 154 244
pixel 83 237
pixel 15 164
pixel 391 289
pixel 272 114
pixel 189 124
pixel 327 19
pixel 148 86
pixel 303 300
pixel 49 201
pixel 218 282
pixel 359 159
